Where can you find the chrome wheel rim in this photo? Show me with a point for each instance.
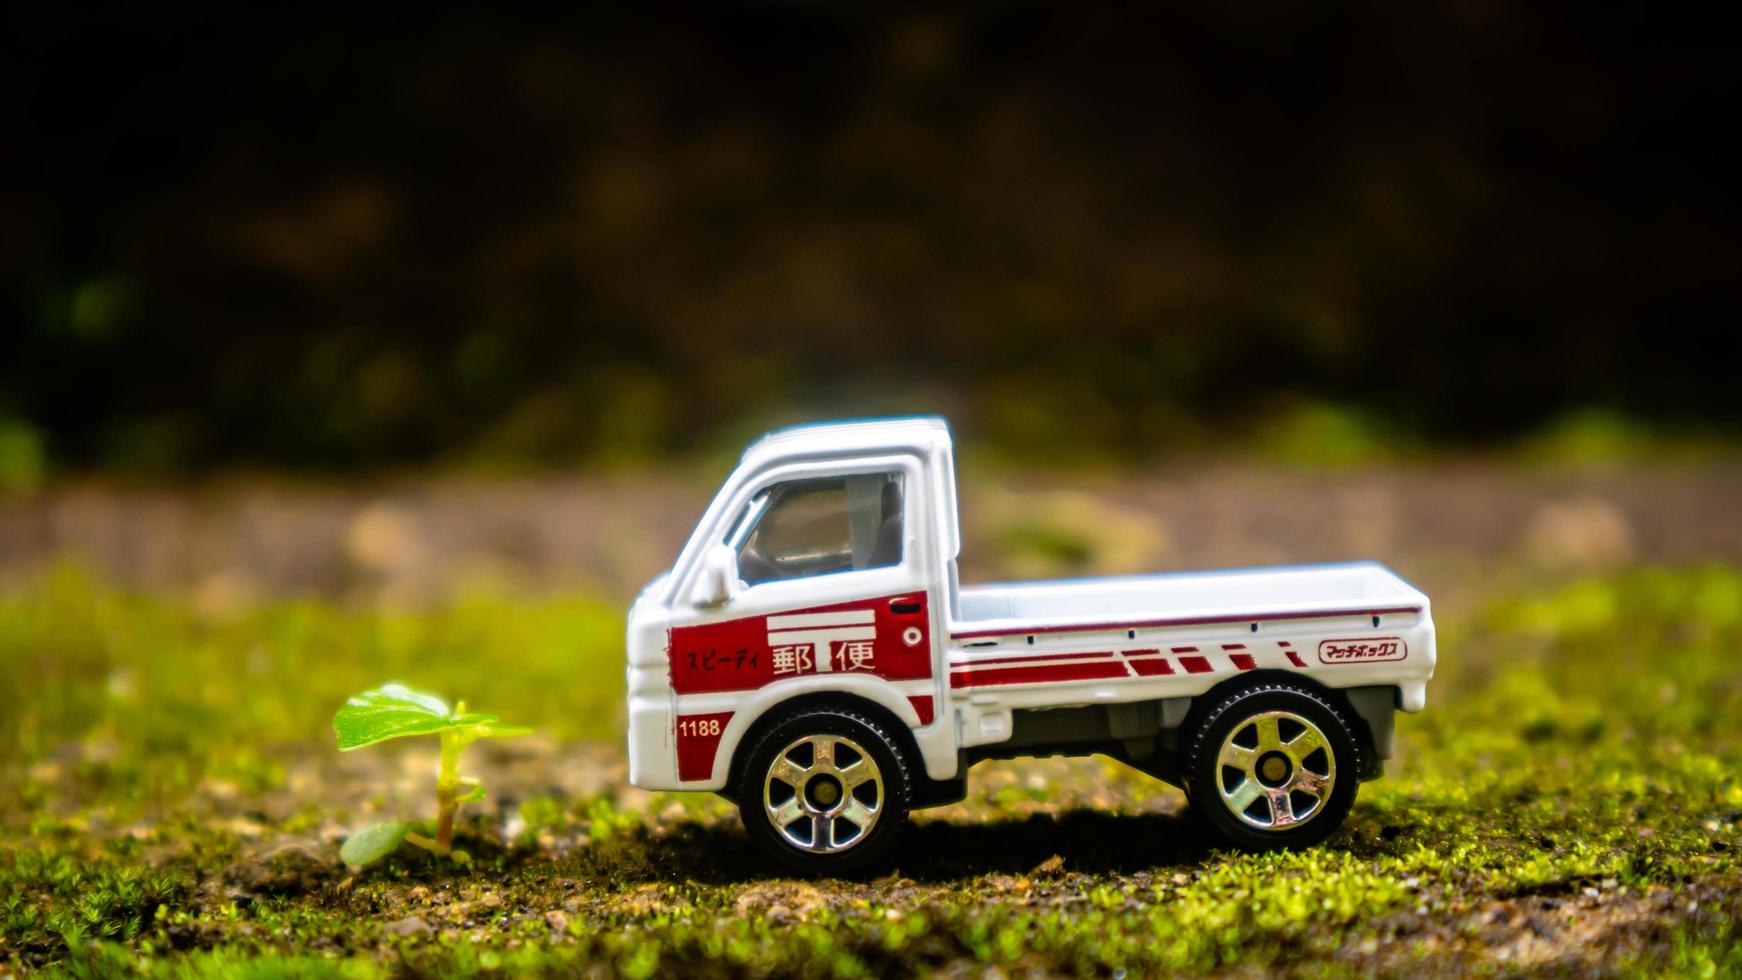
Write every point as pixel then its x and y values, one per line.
pixel 1275 770
pixel 823 794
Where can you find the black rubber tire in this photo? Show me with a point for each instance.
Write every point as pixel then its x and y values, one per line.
pixel 895 777
pixel 1234 709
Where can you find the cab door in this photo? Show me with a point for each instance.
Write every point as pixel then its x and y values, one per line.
pixel 831 583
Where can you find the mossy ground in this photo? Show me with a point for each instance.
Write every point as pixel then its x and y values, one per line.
pixel 1570 802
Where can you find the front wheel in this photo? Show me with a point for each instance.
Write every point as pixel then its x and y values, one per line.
pixel 1273 765
pixel 824 790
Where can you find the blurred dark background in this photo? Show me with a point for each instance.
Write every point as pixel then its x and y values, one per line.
pixel 330 240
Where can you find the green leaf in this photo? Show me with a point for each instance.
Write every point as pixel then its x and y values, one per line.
pixel 391 711
pixel 395 711
pixel 476 794
pixel 373 842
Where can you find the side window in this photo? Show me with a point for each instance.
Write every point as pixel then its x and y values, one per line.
pixel 817 527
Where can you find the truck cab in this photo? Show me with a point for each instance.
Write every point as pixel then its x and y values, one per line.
pixel 812 655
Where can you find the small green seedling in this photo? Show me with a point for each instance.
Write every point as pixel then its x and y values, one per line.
pixel 395 711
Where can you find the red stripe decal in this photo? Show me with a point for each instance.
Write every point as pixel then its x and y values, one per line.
pixel 1243 661
pixel 1283 643
pixel 1294 658
pixel 922 705
pixel 1039 674
pixel 1195 665
pixel 1152 668
pixel 1139 653
pixel 1233 646
pixel 1185 649
pixel 1033 658
pixel 1186 621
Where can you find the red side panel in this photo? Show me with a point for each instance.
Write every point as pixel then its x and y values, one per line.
pixel 728 656
pixel 888 636
pixel 698 739
pixel 922 704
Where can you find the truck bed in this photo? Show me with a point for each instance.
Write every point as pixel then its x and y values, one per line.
pixel 1184 599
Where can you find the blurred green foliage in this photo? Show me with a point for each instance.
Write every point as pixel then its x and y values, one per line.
pixel 23 463
pixel 154 695
pixel 607 233
pixel 1317 434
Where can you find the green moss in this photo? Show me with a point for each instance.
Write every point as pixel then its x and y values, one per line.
pixel 1569 802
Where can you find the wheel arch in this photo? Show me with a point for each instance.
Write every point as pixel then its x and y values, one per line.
pixel 776 712
pixel 1361 727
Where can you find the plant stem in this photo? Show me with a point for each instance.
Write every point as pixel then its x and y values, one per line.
pixel 448 786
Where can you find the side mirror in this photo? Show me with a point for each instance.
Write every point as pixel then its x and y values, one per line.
pixel 719 583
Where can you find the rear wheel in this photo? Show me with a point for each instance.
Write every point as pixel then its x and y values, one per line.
pixel 824 790
pixel 1273 765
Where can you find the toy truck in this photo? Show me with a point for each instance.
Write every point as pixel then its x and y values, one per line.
pixel 812 657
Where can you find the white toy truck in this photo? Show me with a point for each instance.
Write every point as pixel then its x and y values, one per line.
pixel 812 657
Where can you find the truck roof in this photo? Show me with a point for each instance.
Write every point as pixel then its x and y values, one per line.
pixel 847 437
